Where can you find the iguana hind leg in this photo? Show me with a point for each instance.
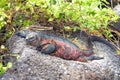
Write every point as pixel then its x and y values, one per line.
pixel 90 58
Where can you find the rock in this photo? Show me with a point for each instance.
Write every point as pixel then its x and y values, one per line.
pixel 113 3
pixel 115 25
pixel 117 9
pixel 33 65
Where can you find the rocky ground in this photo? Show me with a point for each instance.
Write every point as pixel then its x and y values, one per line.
pixel 33 65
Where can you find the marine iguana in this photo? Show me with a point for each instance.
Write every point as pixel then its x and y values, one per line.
pixel 56 46
pixel 59 46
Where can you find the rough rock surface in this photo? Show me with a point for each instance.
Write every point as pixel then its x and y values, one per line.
pixel 33 65
pixel 115 25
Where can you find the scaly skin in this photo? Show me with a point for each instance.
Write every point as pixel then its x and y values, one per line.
pixel 63 48
pixel 66 51
pixel 101 40
pixel 57 46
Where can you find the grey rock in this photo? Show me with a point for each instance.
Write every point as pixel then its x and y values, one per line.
pixel 116 25
pixel 117 9
pixel 33 65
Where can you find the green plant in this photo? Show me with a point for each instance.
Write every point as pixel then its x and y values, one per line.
pixel 88 13
pixel 3 69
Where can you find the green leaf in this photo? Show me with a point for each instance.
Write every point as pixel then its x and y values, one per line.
pixel 9 65
pixel 1 65
pixel 67 28
pixel 2 3
pixel 57 13
pixel 26 23
pixel 118 52
pixel 75 28
pixel 51 19
pixel 3 70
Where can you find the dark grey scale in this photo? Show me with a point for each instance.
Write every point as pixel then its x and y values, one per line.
pixel 48 35
pixel 98 39
pixel 94 58
pixel 38 48
pixel 22 35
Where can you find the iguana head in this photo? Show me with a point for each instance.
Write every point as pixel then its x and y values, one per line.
pixel 33 39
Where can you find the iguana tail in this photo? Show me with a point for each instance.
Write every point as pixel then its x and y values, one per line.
pixel 101 40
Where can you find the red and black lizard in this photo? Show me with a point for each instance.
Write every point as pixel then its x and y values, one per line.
pixel 58 46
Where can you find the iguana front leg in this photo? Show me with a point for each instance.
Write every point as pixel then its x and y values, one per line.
pixel 47 46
